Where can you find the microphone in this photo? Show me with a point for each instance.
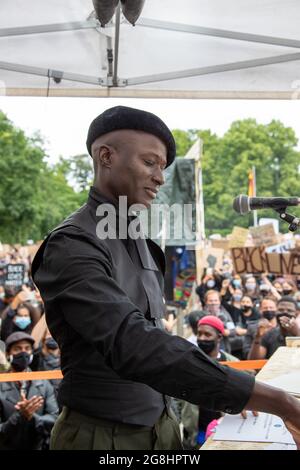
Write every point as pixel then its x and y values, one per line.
pixel 243 204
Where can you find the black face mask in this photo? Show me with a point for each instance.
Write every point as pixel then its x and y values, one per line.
pixel 245 309
pixel 264 293
pixel 287 291
pixel 269 315
pixel 20 361
pixel 206 346
pixel 51 343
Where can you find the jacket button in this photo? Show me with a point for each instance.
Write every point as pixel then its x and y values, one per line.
pixel 184 393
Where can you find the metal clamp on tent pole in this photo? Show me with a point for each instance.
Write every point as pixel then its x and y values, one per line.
pixel 57 75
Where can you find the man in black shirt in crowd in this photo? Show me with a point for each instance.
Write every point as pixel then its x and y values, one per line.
pixel 103 303
pixel 286 314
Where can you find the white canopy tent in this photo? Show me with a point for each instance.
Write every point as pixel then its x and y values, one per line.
pixel 178 49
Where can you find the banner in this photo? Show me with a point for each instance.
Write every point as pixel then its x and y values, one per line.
pixel 15 274
pixel 255 260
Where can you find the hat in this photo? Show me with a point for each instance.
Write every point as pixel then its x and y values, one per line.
pixel 18 336
pixel 123 117
pixel 213 321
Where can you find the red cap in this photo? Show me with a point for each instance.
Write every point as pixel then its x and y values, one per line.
pixel 213 321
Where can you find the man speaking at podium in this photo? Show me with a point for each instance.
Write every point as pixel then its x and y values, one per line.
pixel 104 304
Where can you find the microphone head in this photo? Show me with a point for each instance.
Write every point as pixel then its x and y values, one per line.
pixel 241 204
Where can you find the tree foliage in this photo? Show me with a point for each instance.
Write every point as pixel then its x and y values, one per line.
pixel 227 161
pixel 34 197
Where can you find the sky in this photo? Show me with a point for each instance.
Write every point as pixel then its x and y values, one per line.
pixel 63 122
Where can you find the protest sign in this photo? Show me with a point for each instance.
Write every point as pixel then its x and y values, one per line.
pixel 238 237
pixel 221 243
pixel 284 247
pixel 255 260
pixel 264 235
pixel 15 274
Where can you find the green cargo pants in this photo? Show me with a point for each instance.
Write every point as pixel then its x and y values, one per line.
pixel 74 431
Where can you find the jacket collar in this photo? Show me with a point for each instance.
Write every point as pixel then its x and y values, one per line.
pixel 96 196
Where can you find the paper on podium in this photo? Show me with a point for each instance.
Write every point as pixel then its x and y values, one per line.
pixel 261 428
pixel 290 382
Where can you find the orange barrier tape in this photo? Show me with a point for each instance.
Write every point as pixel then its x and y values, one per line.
pixel 40 375
pixel 56 374
pixel 246 365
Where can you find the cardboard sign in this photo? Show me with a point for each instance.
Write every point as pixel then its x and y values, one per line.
pixel 238 237
pixel 208 258
pixel 284 247
pixel 264 235
pixel 255 260
pixel 15 274
pixel 221 243
pixel 32 249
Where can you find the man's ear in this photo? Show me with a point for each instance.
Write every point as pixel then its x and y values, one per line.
pixel 105 153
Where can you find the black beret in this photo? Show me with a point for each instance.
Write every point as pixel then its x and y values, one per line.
pixel 123 117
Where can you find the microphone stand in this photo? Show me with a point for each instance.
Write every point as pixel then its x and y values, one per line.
pixel 289 218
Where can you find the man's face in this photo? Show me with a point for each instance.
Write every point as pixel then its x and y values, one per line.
pixel 246 302
pixel 287 307
pixel 20 346
pixel 268 305
pixel 213 299
pixel 207 333
pixel 137 167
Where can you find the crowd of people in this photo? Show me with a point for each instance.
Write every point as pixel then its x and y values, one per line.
pixel 28 409
pixel 235 318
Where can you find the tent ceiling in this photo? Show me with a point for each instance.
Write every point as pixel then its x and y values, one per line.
pixel 196 48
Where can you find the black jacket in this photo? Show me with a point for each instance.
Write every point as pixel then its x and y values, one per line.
pixel 103 302
pixel 16 432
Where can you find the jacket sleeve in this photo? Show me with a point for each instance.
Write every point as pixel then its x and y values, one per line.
pixel 77 276
pixel 45 422
pixel 9 429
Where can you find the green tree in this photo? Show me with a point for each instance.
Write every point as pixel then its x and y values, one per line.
pixel 81 171
pixel 34 197
pixel 21 164
pixel 184 140
pixel 227 161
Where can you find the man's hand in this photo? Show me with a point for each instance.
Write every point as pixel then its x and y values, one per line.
pixel 263 326
pixel 244 413
pixel 295 431
pixel 277 402
pixel 28 407
pixel 21 297
pixel 289 325
pixel 240 331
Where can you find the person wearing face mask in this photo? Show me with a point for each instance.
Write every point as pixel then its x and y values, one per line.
pixel 195 419
pixel 287 325
pixel 28 409
pixel 48 357
pixel 265 321
pixel 17 320
pixel 251 289
pixel 288 288
pixel 242 312
pixel 210 281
